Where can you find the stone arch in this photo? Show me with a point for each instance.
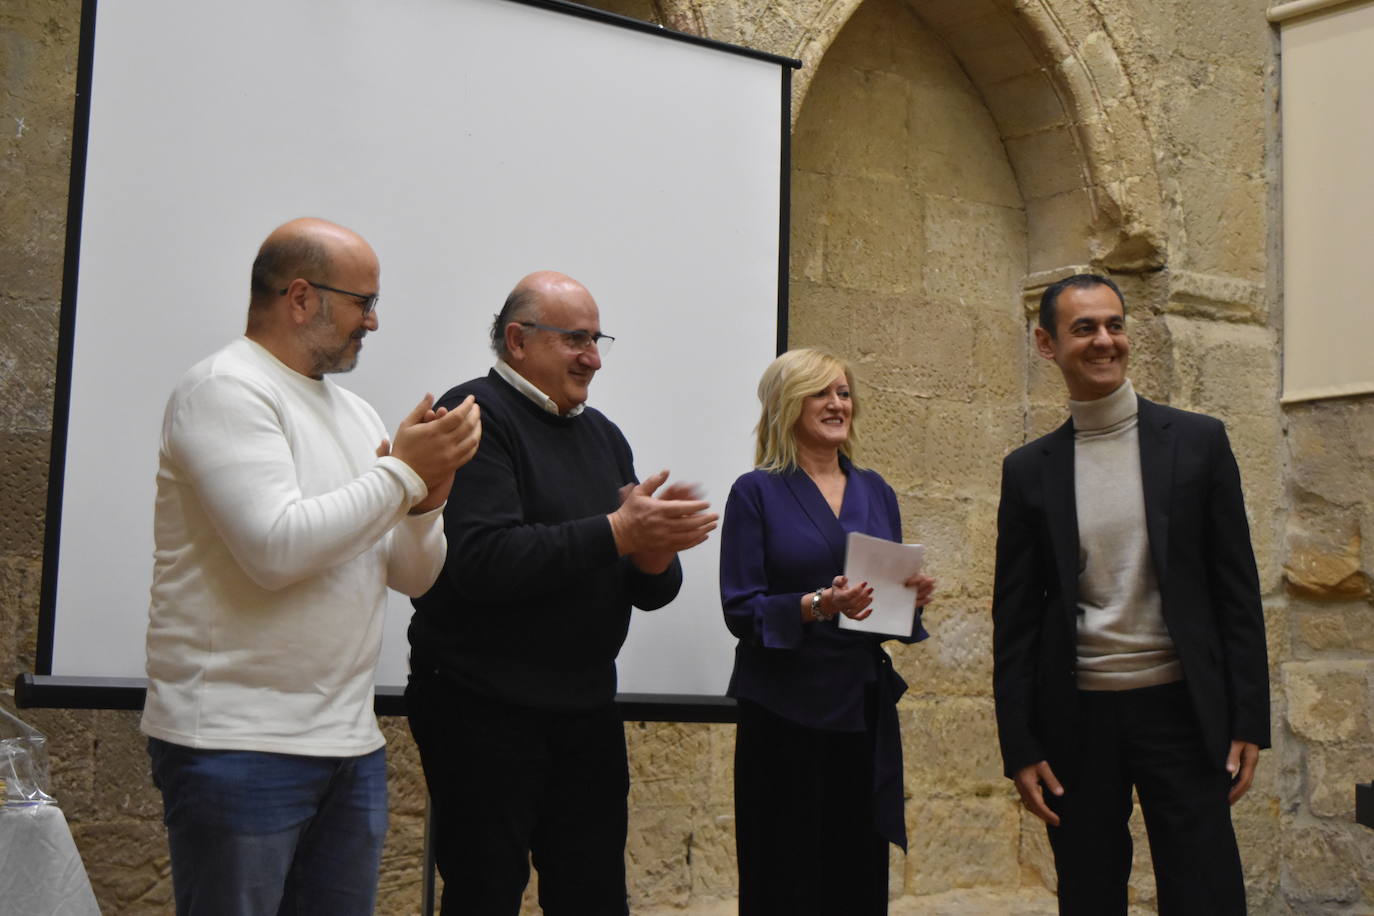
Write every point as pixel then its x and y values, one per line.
pixel 1049 73
pixel 908 258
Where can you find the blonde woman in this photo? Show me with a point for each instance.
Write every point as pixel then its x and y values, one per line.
pixel 818 757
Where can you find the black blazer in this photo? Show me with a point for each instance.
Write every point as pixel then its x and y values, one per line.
pixel 1209 589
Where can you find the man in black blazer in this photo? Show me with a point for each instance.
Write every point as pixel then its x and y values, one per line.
pixel 1128 635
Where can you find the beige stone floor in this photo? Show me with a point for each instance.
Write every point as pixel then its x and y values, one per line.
pixel 1025 902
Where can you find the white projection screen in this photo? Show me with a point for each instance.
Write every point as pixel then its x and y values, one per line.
pixel 1328 195
pixel 470 141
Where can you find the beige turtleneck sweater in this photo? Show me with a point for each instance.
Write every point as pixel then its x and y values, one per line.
pixel 1123 642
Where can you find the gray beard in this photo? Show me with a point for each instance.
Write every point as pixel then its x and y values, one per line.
pixel 327 357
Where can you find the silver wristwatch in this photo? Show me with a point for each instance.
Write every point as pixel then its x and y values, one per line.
pixel 816 606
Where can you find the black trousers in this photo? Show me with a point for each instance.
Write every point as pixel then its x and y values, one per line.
pixel 1146 738
pixel 510 784
pixel 804 829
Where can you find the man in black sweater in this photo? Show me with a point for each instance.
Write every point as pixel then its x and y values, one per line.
pixel 511 696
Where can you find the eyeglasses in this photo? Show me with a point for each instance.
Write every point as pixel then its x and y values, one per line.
pixel 368 303
pixel 577 340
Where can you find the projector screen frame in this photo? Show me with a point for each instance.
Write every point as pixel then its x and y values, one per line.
pixel 43 689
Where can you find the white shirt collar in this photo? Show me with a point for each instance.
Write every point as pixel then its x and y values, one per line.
pixel 529 390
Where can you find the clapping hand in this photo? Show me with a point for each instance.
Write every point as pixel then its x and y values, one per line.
pixel 652 527
pixel 435 444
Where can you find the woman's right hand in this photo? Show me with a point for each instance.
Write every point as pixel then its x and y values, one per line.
pixel 853 601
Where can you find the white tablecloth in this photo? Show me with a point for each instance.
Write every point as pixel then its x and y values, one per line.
pixel 40 870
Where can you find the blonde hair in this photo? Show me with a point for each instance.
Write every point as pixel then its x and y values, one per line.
pixel 788 381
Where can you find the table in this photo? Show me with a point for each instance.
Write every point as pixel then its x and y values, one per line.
pixel 40 870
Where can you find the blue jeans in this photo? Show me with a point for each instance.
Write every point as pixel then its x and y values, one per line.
pixel 261 834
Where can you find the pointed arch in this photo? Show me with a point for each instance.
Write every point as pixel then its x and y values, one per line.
pixel 1049 72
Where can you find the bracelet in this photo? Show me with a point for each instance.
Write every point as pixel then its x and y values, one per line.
pixel 816 606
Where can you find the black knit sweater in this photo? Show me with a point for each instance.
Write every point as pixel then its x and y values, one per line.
pixel 533 603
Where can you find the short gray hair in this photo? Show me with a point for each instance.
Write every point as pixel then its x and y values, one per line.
pixel 521 305
pixel 280 261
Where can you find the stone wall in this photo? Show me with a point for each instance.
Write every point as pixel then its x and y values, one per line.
pixel 909 247
pixel 1327 675
pixel 950 158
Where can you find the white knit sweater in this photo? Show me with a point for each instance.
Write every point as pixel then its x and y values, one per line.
pixel 277 531
pixel 1123 642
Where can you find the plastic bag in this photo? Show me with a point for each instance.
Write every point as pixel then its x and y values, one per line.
pixel 23 763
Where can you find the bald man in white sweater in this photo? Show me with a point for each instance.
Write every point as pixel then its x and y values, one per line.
pixel 1128 634
pixel 283 514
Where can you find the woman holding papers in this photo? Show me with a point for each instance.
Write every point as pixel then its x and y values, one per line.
pixel 818 756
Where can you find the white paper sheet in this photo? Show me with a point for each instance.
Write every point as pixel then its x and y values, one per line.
pixel 884 565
